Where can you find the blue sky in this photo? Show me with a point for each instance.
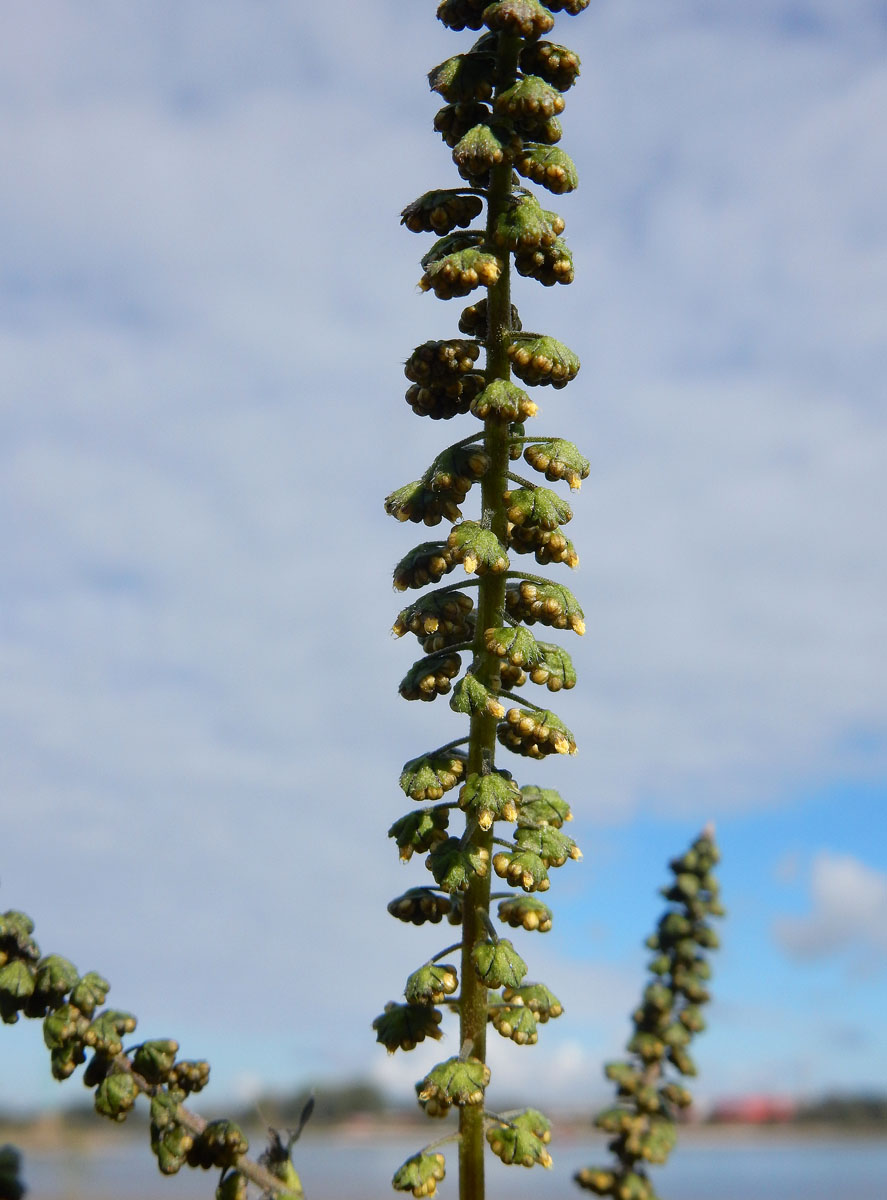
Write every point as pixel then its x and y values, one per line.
pixel 206 302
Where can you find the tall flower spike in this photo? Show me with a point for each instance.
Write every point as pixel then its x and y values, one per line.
pixel 642 1123
pixel 504 97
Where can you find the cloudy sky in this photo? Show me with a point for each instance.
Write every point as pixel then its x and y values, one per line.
pixel 206 303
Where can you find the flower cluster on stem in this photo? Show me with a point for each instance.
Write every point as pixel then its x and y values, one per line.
pixel 643 1121
pixel 502 101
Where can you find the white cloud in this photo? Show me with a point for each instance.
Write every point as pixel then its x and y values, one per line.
pixel 848 912
pixel 208 302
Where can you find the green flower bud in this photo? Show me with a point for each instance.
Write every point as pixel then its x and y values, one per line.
pixel 436 612
pixel 535 733
pixel 543 806
pixel 490 798
pixel 464 77
pixel 625 1075
pixel 420 1174
pixel 97 1069
pixel 456 1081
pixel 443 401
pixel 648 1046
pixel 548 603
pixel 516 644
pixel 171 1147
pixel 498 964
pixel 504 401
pixel 516 1023
pixel 674 925
pixel 525 225
pixel 477 549
pixel 520 1140
pixel 430 677
pixel 552 846
pixel 419 831
pixel 543 361
pixel 453 121
pixel 548 166
pixel 596 1179
pixel 164 1111
pixel 547 545
pixel 154 1060
pixel 615 1120
pixel 473 320
pixel 461 14
pixel 526 17
pixel 691 1018
pixel 659 997
pixel 221 1144
pixel 233 1186
pixel 660 965
pixel 633 1186
pixel 15 937
pixel 658 1140
pixel 116 1095
pixel 511 677
pixel 705 936
pixel 65 1024
pixel 676 1035
pixel 573 7
pixel 556 669
pixel 675 1094
pixel 89 992
pixel 16 988
pixel 55 977
pixel 65 1059
pixel 525 912
pixel 441 361
pixel 690 985
pixel 416 502
pixel 431 775
pixel 547 264
pixel 461 272
pixel 190 1075
pixel 454 865
pixel 555 64
pixel 522 869
pixel 558 459
pixel 530 100
pixel 648 1100
pixel 423 564
pixel 440 212
pixel 106 1031
pixel 403 1026
pixel 681 1060
pixel 457 469
pixel 539 507
pixel 420 905
pixel 543 1003
pixel 431 984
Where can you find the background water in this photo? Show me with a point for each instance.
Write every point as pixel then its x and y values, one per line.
pixel 723 1169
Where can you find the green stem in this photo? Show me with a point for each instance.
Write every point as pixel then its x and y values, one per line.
pixel 490 607
pixel 527 483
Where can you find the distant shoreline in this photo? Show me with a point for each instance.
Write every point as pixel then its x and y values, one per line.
pixel 54 1133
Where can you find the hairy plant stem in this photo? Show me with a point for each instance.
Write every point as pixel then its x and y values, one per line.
pixel 196 1124
pixel 490 610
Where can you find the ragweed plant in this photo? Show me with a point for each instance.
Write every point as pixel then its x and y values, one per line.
pixel 503 99
pixel 670 1014
pixel 77 1031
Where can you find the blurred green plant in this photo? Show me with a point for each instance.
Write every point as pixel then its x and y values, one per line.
pixel 643 1121
pixel 49 988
